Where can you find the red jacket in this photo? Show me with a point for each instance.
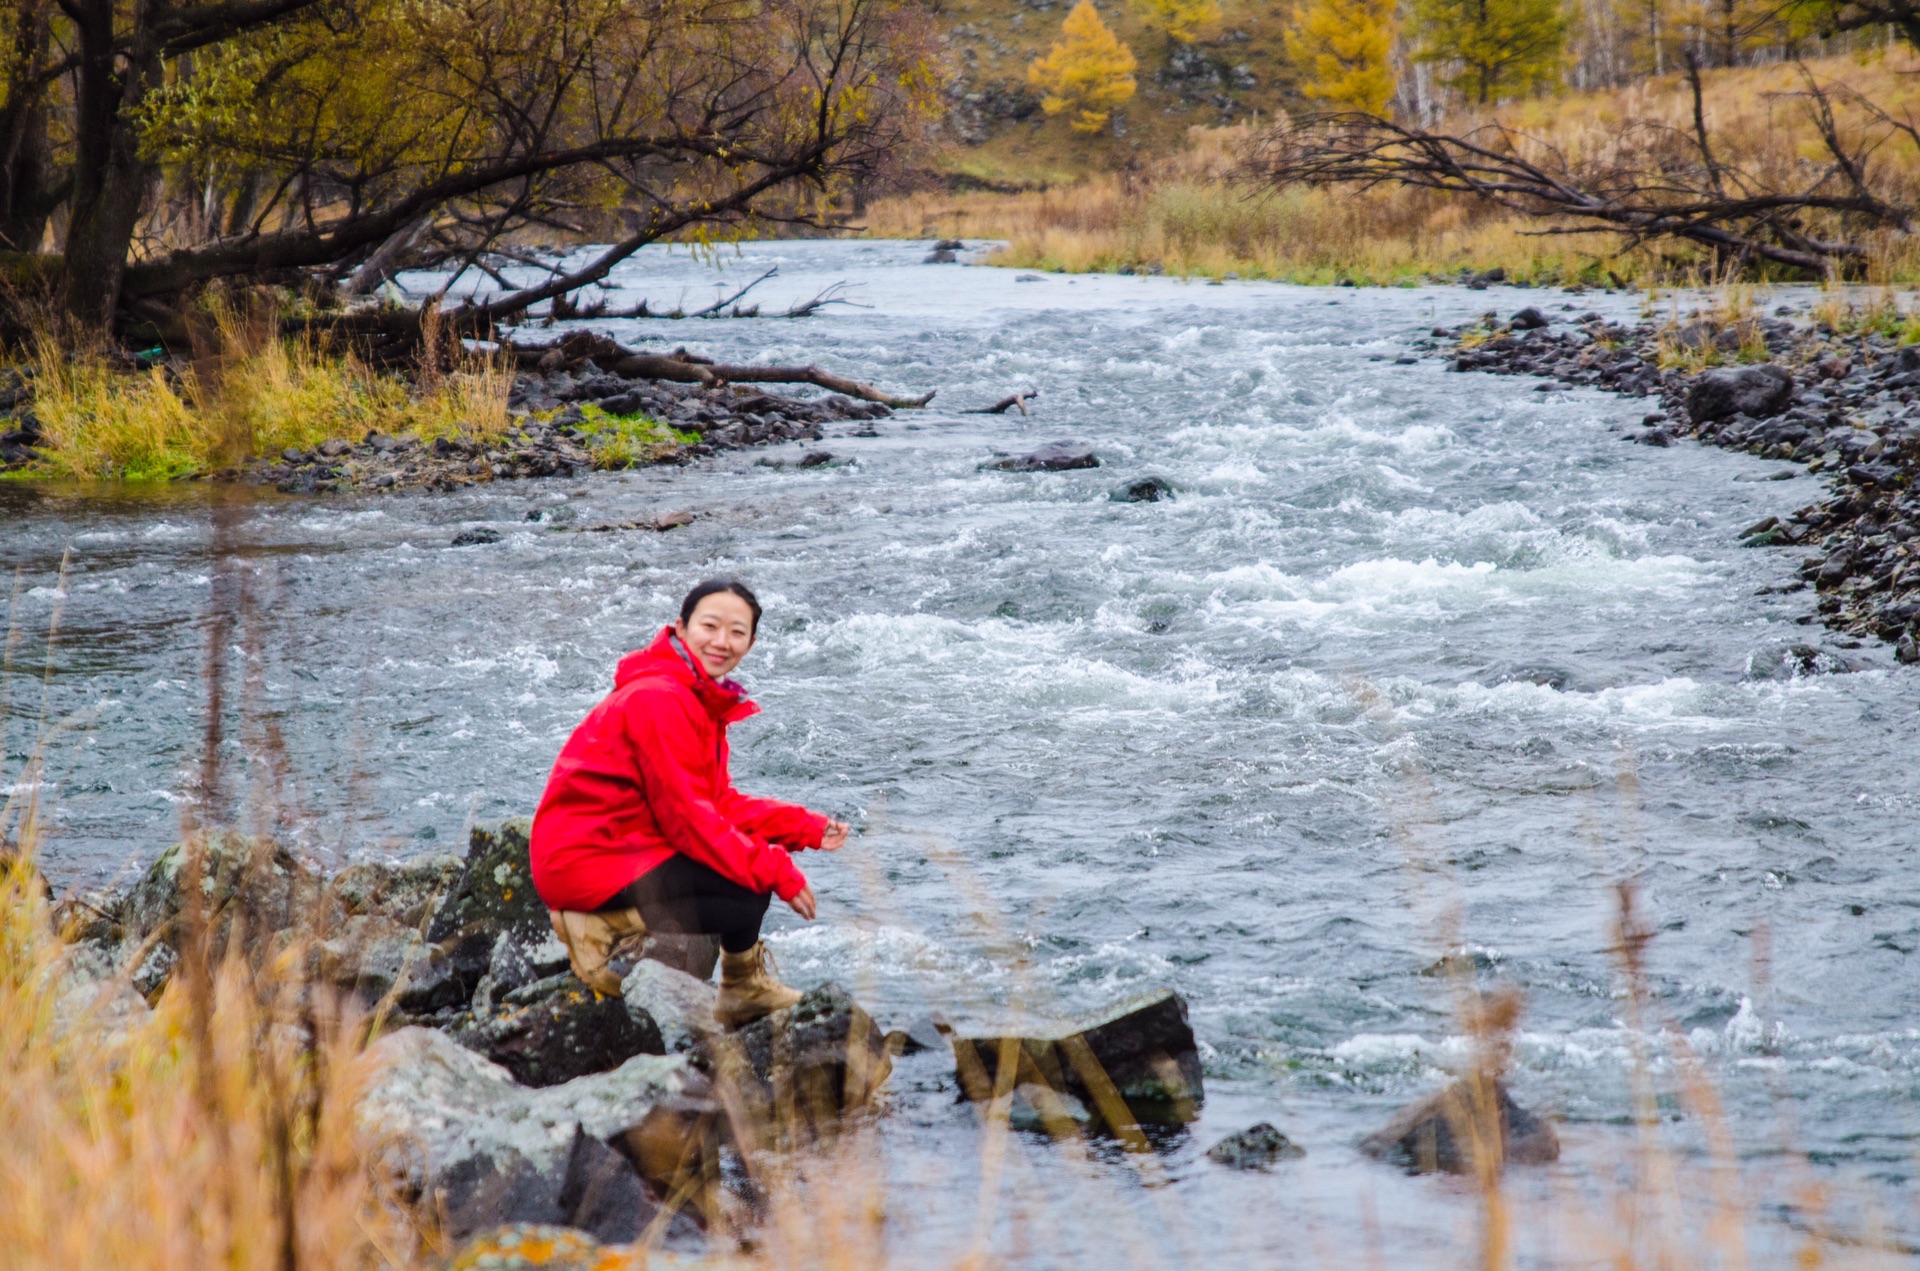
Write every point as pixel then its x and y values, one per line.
pixel 645 776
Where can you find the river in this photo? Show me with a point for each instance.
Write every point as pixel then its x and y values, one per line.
pixel 1416 665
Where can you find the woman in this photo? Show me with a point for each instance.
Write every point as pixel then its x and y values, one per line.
pixel 640 826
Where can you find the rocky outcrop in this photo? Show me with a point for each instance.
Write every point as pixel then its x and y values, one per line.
pixel 811 1062
pixel 1437 1133
pixel 464 1135
pixel 1138 1059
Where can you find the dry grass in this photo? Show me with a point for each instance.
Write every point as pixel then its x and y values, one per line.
pixel 1183 215
pixel 217 1130
pixel 250 393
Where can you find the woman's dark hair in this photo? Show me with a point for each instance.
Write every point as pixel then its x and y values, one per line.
pixel 713 587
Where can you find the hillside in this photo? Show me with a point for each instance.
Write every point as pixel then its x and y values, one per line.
pixel 1165 200
pixel 1236 71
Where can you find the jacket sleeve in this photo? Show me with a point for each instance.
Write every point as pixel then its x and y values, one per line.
pixel 664 734
pixel 787 824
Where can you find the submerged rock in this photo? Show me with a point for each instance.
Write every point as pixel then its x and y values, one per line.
pixel 1142 490
pixel 461 1133
pixel 820 1057
pixel 1142 1051
pixel 1256 1147
pixel 555 1030
pixel 1432 1134
pixel 1055 456
pixel 1528 319
pixel 1758 392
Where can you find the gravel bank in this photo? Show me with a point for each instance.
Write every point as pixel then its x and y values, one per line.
pixel 1840 403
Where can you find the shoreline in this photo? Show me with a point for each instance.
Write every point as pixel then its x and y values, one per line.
pixel 1834 401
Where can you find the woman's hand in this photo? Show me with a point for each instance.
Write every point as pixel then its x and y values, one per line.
pixel 836 836
pixel 802 902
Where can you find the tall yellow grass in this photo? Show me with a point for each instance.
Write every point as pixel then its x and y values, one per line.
pixel 249 394
pixel 1184 214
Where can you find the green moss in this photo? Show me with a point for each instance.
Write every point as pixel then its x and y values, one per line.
pixel 627 441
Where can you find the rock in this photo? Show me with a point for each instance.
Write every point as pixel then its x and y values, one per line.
pixel 1528 319
pixel 949 245
pixel 1655 437
pixel 929 1032
pixel 495 893
pixel 1055 456
pixel 520 959
pixel 1142 490
pixel 1758 391
pixel 940 256
pixel 1907 650
pixel 475 537
pixel 680 1006
pixel 1430 1135
pixel 1143 1049
pixel 820 1057
pixel 693 955
pixel 815 458
pixel 460 1132
pixel 549 1033
pixel 1256 1147
pixel 1908 358
pixel 92 995
pixel 255 881
pixel 369 955
pixel 406 892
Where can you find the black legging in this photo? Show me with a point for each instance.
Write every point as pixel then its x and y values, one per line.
pixel 683 897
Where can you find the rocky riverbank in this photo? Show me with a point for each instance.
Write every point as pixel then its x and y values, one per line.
pixel 1838 402
pixel 508 1093
pixel 568 419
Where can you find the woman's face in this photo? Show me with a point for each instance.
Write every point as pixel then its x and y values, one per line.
pixel 719 633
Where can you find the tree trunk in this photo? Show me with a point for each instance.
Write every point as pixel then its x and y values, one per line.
pixel 26 201
pixel 110 179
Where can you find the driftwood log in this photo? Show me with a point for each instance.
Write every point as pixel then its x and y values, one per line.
pixel 686 368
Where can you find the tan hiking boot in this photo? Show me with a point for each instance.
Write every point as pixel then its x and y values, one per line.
pixel 748 989
pixel 590 941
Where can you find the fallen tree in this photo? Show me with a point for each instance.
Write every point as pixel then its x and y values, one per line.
pixel 1646 181
pixel 683 367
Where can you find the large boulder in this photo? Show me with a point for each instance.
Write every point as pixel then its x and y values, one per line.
pixel 1435 1133
pixel 1141 1052
pixel 555 1030
pixel 251 885
pixel 462 1134
pixel 811 1062
pixel 1055 456
pixel 1758 392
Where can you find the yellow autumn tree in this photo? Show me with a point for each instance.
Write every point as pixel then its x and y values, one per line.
pixel 1182 20
pixel 1341 50
pixel 1089 71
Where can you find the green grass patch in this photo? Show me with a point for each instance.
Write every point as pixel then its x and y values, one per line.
pixel 627 441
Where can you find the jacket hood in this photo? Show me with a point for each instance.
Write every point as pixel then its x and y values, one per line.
pixel 666 658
